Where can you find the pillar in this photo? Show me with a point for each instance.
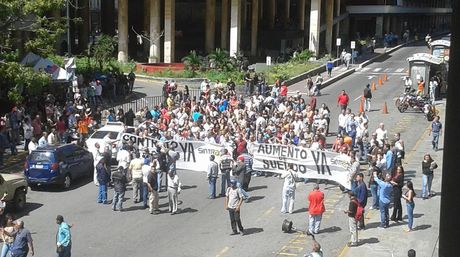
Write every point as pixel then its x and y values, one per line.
pixel 224 25
pixel 287 12
pixel 379 26
pixel 271 13
pixel 244 5
pixel 122 30
pixel 387 23
pixel 235 27
pixel 449 223
pixel 107 14
pixel 170 30
pixel 337 13
pixel 329 24
pixel 254 26
pixel 210 25
pixel 315 13
pixel 301 14
pixel 155 36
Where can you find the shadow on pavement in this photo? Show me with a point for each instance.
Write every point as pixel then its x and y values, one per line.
pixel 255 198
pixel 371 240
pixel 250 231
pixel 256 188
pixel 28 208
pixel 301 210
pixel 422 227
pixel 330 229
pixel 416 216
pixel 188 210
pixel 188 187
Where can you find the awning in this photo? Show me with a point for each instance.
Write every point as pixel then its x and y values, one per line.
pixel 423 57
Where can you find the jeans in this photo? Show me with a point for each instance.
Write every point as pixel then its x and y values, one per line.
pixel 117 202
pixel 410 214
pixel 314 223
pixel 224 183
pixel 367 104
pixel 137 189
pixel 235 220
pixel 145 194
pixel 245 194
pixel 435 140
pixel 426 185
pixel 384 214
pixel 288 200
pixel 375 196
pixel 153 201
pixel 102 197
pixel 66 251
pixel 353 230
pixel 6 248
pixel 159 175
pixel 212 187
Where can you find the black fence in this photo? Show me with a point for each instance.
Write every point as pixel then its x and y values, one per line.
pixel 149 101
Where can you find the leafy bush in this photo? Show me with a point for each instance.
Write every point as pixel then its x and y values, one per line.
pixel 302 57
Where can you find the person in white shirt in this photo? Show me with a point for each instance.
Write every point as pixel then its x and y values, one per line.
pixel 52 140
pixel 42 142
pixel 32 145
pixel 123 159
pixel 28 132
pixel 135 167
pixel 381 133
pixel 174 188
pixel 433 86
pixel 145 175
pixel 289 186
pixel 343 118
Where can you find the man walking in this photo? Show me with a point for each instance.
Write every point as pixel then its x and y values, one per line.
pixel 152 185
pixel 289 187
pixel 316 209
pixel 23 243
pixel 103 178
pixel 436 130
pixel 361 196
pixel 212 174
pixel 174 188
pixel 342 100
pixel 226 164
pixel 135 167
pixel 351 212
pixel 385 190
pixel 119 187
pixel 367 98
pixel 63 238
pixel 233 202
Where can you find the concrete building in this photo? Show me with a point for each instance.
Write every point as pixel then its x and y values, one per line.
pixel 257 28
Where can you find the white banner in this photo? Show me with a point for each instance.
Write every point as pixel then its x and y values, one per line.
pixel 193 155
pixel 308 163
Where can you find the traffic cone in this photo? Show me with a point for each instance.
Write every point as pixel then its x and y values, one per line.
pixel 373 86
pixel 385 108
pixel 380 81
pixel 361 105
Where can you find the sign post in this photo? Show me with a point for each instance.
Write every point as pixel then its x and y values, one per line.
pixel 338 44
pixel 268 62
pixel 352 46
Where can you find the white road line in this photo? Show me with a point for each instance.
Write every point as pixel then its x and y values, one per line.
pixel 399 70
pixel 365 69
pixel 377 69
pixel 387 70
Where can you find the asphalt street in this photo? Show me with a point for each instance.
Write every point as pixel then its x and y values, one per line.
pixel 202 228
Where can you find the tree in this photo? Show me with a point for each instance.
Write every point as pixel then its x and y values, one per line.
pixel 192 61
pixel 220 60
pixel 103 50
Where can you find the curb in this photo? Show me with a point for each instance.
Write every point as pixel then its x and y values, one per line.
pixel 179 80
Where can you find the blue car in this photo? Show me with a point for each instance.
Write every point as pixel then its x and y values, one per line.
pixel 58 165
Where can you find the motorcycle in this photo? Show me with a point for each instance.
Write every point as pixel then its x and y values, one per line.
pixel 409 99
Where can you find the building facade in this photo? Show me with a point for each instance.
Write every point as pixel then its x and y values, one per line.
pixel 166 30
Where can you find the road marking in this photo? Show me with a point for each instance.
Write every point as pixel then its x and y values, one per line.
pixel 399 70
pixel 386 70
pixel 226 248
pixel 266 213
pixel 377 69
pixel 370 77
pixel 365 69
pixel 288 254
pixel 356 99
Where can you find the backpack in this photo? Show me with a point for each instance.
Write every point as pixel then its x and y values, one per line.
pixel 359 211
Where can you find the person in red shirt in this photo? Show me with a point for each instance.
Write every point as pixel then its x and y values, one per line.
pixel 240 145
pixel 342 100
pixel 283 89
pixel 316 209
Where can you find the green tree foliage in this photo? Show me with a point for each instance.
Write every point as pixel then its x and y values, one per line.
pixel 220 60
pixel 17 81
pixel 192 61
pixel 103 50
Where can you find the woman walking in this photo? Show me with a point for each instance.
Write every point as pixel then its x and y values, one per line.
pixel 409 197
pixel 428 166
pixel 8 240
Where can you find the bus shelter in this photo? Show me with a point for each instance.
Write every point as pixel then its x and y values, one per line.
pixel 423 66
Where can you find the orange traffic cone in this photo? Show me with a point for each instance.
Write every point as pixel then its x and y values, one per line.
pixel 385 108
pixel 373 86
pixel 380 81
pixel 361 105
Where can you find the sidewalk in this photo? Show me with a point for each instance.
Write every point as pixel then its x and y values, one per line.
pixel 394 241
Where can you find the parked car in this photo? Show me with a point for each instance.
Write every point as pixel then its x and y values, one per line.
pixel 58 165
pixel 14 188
pixel 109 135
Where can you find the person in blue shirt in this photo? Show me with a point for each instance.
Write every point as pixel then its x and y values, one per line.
pixel 360 192
pixel 389 159
pixel 23 243
pixel 385 190
pixel 63 238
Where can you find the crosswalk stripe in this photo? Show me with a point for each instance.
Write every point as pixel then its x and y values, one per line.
pixel 377 69
pixel 400 70
pixel 365 69
pixel 386 70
